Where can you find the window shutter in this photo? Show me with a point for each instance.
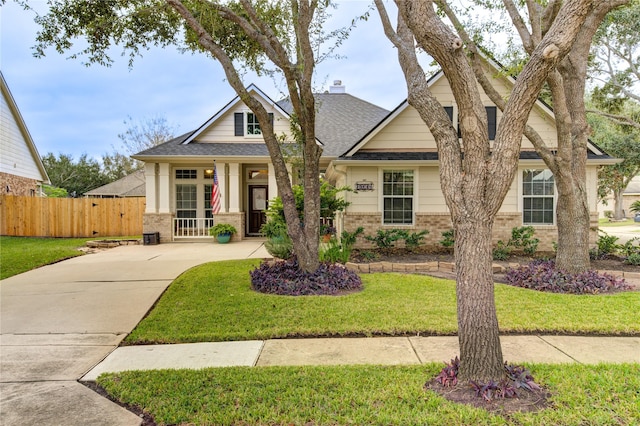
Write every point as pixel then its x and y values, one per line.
pixel 239 123
pixel 449 111
pixel 491 121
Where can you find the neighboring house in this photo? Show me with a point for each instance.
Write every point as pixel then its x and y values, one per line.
pixel 129 186
pixel 388 158
pixel 630 195
pixel 21 168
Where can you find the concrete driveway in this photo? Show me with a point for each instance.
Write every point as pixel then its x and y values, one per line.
pixel 624 233
pixel 57 322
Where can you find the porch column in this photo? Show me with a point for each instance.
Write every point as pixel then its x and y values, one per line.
pixel 234 188
pixel 164 190
pixel 150 187
pixel 273 185
pixel 221 169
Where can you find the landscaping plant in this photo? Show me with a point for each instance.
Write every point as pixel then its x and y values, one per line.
pixel 385 239
pixel 543 275
pixel 522 238
pixel 448 239
pixel 517 377
pixel 286 278
pixel 501 251
pixel 607 244
pixel 413 240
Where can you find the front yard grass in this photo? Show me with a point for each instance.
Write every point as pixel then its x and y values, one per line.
pixel 371 395
pixel 606 223
pixel 214 302
pixel 21 254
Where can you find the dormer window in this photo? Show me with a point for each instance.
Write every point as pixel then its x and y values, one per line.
pixel 246 124
pixel 492 123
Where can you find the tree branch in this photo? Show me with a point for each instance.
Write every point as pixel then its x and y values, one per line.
pixel 618 119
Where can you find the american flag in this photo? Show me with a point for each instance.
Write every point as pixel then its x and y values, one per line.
pixel 215 192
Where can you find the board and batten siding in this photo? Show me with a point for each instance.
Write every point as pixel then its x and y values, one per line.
pixel 17 158
pixel 223 129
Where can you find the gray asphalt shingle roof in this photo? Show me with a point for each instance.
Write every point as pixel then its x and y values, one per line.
pixel 132 185
pixel 341 121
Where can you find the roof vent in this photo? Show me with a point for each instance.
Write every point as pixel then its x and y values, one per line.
pixel 337 87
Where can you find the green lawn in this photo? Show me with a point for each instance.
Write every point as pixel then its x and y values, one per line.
pixel 21 254
pixel 606 223
pixel 367 395
pixel 214 302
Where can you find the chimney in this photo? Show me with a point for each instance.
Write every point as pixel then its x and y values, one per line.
pixel 337 87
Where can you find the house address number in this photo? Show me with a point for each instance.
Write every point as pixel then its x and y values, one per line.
pixel 364 186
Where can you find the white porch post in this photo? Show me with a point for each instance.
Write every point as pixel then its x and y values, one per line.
pixel 273 185
pixel 221 169
pixel 234 188
pixel 150 187
pixel 164 204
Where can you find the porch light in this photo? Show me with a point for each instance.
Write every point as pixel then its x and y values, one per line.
pixel 209 171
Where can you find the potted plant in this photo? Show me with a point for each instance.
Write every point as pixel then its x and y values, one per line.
pixel 222 232
pixel 326 232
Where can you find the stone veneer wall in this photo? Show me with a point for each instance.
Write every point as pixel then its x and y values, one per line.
pixel 436 223
pixel 18 185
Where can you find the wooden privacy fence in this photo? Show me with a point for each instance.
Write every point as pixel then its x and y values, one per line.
pixel 70 217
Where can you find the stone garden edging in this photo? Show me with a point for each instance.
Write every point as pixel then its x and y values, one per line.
pixel 450 267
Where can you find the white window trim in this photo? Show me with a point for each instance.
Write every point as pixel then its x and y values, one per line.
pixel 521 198
pixel 246 126
pixel 381 196
pixel 199 182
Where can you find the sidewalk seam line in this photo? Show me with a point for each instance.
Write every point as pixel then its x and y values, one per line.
pixel 263 343
pixel 414 350
pixel 558 349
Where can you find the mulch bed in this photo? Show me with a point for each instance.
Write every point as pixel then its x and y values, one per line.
pixel 526 402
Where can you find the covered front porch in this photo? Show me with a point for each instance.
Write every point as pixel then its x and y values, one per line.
pixel 178 198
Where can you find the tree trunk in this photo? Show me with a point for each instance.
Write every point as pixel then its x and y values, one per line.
pixel 478 334
pixel 618 211
pixel 573 221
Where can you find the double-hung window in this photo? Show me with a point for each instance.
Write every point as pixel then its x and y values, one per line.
pixel 246 124
pixel 186 196
pixel 397 194
pixel 538 197
pixel 186 201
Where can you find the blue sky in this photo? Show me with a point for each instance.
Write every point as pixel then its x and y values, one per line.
pixel 73 109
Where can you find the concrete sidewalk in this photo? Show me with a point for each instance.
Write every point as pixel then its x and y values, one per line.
pixel 374 350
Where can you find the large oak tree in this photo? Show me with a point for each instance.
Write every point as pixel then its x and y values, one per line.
pixel 475 175
pixel 260 35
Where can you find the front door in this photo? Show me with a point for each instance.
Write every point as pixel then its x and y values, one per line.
pixel 258 196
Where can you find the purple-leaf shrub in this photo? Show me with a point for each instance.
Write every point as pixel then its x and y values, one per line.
pixel 286 278
pixel 542 275
pixel 517 377
pixel 449 374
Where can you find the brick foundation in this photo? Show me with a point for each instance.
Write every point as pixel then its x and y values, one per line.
pixel 159 222
pixel 437 223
